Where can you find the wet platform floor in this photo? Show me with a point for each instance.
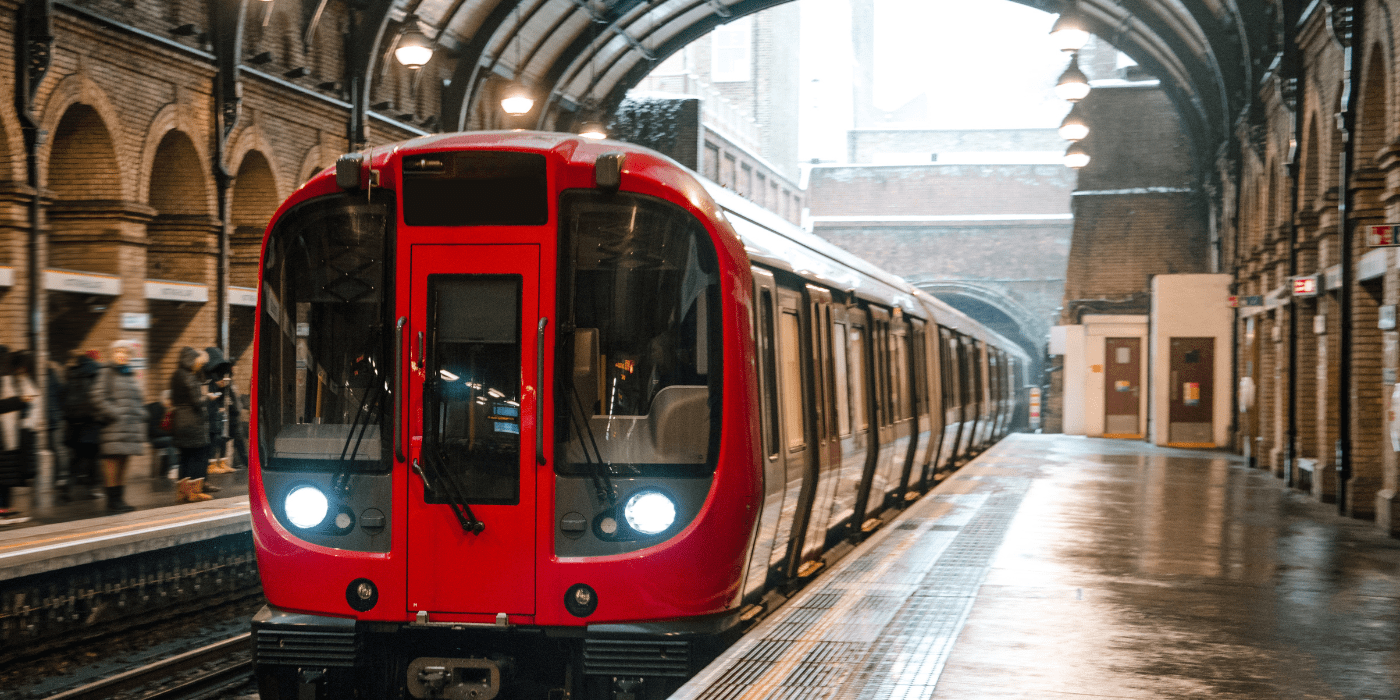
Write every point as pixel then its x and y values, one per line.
pixel 1064 567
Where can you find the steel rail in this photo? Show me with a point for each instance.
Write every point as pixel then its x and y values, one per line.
pixel 137 677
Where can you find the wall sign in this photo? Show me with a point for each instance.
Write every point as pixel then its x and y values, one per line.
pixel 136 322
pixel 1383 235
pixel 1387 318
pixel 1305 287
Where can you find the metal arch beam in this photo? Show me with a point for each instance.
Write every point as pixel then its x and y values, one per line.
pixel 362 48
pixel 579 46
pixel 458 94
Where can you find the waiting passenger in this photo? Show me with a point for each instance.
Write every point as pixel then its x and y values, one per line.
pixel 17 463
pixel 189 425
pixel 118 404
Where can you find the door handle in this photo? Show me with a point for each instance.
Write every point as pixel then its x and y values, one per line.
pixel 539 389
pixel 399 389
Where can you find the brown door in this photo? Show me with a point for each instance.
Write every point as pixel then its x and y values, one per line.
pixel 1192 392
pixel 1122 369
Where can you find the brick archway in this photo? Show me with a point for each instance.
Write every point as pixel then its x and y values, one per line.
pixel 254 200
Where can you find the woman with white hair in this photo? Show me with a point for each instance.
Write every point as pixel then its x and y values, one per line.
pixel 120 407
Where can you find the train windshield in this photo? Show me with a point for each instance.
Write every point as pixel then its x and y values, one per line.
pixel 324 346
pixel 640 372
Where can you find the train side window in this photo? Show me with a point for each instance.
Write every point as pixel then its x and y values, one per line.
pixel 903 401
pixel 790 340
pixel 843 399
pixel 859 413
pixel 770 370
pixel 920 372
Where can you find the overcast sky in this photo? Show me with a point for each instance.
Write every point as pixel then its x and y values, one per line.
pixel 983 63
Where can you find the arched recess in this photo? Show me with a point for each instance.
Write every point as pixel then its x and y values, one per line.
pixel 96 238
pixel 14 233
pixel 253 202
pixel 1366 390
pixel 181 255
pixel 315 161
pixel 999 310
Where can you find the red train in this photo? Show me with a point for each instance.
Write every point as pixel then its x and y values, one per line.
pixel 544 417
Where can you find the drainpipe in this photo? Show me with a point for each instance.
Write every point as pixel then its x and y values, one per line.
pixel 1293 96
pixel 1349 33
pixel 33 50
pixel 226 24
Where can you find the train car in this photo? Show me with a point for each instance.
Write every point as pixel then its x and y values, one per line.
pixel 544 417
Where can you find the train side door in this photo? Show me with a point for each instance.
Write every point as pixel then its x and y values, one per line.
pixel 824 437
pixel 780 496
pixel 794 387
pixel 474 329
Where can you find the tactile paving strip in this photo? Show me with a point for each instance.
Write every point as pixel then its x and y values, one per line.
pixel 881 624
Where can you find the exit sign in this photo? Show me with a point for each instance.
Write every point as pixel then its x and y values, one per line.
pixel 1305 286
pixel 1383 235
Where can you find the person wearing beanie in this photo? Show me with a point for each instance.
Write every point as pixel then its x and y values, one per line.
pixel 218 372
pixel 119 406
pixel 189 430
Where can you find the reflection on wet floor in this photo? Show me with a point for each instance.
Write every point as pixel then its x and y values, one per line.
pixel 1132 571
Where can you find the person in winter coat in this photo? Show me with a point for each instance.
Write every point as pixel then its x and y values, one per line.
pixel 158 434
pixel 218 371
pixel 17 394
pixel 119 406
pixel 190 424
pixel 84 434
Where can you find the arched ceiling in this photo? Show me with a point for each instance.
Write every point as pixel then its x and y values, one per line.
pixel 583 55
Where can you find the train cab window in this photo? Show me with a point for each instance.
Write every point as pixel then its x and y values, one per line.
pixel 471 398
pixel 325 344
pixel 475 188
pixel 639 375
pixel 841 375
pixel 789 341
pixel 860 418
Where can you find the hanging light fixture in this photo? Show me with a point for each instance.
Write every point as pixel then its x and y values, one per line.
pixel 517 100
pixel 1075 156
pixel 1074 128
pixel 1068 33
pixel 593 130
pixel 415 49
pixel 1073 84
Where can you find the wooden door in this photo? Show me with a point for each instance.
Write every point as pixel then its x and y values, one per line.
pixel 1122 387
pixel 1192 393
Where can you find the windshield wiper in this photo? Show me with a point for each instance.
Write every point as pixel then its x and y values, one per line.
pixel 601 473
pixel 451 490
pixel 365 416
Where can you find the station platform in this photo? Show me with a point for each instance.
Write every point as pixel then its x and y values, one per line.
pixel 1065 567
pixel 83 532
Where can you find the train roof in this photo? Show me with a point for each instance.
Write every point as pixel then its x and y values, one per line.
pixel 775 242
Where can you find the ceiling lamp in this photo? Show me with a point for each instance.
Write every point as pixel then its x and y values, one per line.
pixel 1068 33
pixel 1073 84
pixel 1075 156
pixel 1074 128
pixel 414 50
pixel 517 100
pixel 593 130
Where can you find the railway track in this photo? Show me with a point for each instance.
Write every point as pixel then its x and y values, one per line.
pixel 232 672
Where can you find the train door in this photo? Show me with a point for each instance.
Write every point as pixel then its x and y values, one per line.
pixel 1122 360
pixel 923 417
pixel 858 445
pixel 795 391
pixel 475 326
pixel 903 404
pixel 827 446
pixel 968 394
pixel 951 397
pixel 775 522
pixel 994 400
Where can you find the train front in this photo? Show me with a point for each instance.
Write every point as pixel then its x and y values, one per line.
pixel 505 437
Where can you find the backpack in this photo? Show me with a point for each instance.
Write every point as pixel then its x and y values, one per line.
pixel 77 405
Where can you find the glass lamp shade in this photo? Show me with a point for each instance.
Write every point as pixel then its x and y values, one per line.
pixel 1073 85
pixel 1076 157
pixel 1073 127
pixel 1068 33
pixel 516 100
pixel 414 49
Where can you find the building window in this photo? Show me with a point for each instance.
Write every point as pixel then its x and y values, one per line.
pixel 732 48
pixel 746 181
pixel 712 161
pixel 726 172
pixel 761 191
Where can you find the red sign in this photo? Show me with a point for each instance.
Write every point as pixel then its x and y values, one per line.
pixel 1382 235
pixel 1305 286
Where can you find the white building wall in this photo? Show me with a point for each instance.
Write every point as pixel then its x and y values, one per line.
pixel 1195 306
pixel 1075 367
pixel 1097 330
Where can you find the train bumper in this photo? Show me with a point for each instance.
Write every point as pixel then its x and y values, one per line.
pixel 304 657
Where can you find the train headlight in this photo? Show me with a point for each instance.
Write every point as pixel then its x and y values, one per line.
pixel 649 512
pixel 306 506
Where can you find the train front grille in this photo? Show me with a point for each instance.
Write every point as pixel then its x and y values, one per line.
pixel 628 657
pixel 301 647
